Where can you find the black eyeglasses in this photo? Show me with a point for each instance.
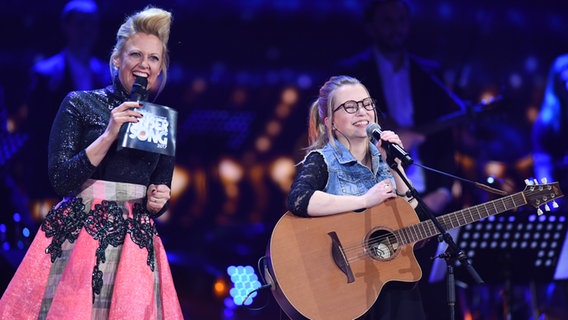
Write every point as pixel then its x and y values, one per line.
pixel 352 106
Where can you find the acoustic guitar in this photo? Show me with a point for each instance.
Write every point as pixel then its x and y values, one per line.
pixel 334 267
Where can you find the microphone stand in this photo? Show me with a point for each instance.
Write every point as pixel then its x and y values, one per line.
pixel 453 252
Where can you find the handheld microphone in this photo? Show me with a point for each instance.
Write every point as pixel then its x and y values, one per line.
pixel 393 149
pixel 138 91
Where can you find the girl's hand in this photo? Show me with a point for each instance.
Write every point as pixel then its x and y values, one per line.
pixel 391 137
pixel 379 193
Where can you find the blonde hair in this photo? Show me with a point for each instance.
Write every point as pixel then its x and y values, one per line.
pixel 318 133
pixel 151 20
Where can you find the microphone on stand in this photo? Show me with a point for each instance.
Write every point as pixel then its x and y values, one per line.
pixel 393 149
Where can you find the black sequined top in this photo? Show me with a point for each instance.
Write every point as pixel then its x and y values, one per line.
pixel 82 117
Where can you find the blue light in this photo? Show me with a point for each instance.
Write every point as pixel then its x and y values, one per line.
pixel 2 228
pixel 445 11
pixel 26 232
pixel 304 81
pixel 17 217
pixel 228 313
pixel 244 282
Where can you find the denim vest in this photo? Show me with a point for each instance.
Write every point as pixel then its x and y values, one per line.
pixel 347 176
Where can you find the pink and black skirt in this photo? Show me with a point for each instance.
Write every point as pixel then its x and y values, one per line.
pixel 97 256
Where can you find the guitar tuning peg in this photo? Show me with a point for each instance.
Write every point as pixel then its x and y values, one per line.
pixel 555 205
pixel 544 180
pixel 546 207
pixel 528 182
pixel 539 211
pixel 535 181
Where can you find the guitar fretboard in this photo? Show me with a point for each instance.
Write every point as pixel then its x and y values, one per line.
pixel 427 229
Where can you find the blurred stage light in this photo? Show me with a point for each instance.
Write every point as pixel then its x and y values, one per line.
pixel 282 172
pixel 220 288
pixel 495 169
pixel 290 96
pixel 230 171
pixel 488 96
pixel 180 181
pixel 283 110
pixel 3 233
pixel 304 81
pixel 273 128
pixel 263 144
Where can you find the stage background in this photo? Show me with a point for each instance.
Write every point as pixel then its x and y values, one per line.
pixel 242 76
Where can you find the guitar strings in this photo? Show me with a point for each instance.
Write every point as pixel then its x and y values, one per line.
pixel 393 243
pixel 355 252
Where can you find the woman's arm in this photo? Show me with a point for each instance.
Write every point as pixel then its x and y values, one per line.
pixel 306 197
pixel 120 115
pixel 70 163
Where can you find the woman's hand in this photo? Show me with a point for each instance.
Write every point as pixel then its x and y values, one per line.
pixel 379 192
pixel 157 196
pixel 391 137
pixel 122 114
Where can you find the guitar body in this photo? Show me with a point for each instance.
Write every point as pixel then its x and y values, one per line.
pixel 305 254
pixel 334 267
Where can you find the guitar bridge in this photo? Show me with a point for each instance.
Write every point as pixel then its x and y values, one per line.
pixel 339 257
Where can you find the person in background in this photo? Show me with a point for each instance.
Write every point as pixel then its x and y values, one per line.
pixel 345 171
pixel 550 162
pixel 75 67
pixel 97 254
pixel 550 148
pixel 411 97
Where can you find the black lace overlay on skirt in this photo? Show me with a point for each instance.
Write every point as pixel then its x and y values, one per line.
pixel 105 223
pixel 142 231
pixel 63 222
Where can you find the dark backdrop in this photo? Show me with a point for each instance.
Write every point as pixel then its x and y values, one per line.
pixel 242 76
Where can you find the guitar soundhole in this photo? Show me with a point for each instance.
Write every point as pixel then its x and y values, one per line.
pixel 381 245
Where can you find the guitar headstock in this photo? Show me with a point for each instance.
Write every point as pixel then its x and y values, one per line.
pixel 538 195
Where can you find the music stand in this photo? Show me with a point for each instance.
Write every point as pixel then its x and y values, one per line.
pixel 519 247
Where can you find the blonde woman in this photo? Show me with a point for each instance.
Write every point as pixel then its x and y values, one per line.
pixel 98 254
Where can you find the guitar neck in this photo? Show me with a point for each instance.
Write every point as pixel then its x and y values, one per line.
pixel 427 229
